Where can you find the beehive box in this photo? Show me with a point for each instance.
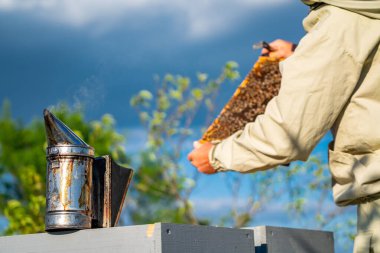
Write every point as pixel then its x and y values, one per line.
pixel 270 239
pixel 173 238
pixel 151 238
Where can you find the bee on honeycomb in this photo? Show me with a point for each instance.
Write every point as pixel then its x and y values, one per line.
pixel 249 100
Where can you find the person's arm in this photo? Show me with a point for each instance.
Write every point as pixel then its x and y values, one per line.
pixel 316 84
pixel 200 156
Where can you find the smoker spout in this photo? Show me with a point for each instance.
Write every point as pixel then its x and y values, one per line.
pixel 58 133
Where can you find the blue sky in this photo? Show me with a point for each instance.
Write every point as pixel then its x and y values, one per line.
pixel 100 53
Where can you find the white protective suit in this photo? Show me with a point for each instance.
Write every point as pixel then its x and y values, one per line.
pixel 331 82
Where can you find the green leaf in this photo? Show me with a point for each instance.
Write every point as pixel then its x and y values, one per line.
pixel 163 103
pixel 134 101
pixel 175 94
pixel 145 94
pixel 108 120
pixel 190 104
pixel 144 116
pixel 202 77
pixel 197 94
pixel 232 65
pixel 183 83
pixel 232 75
pixel 172 131
pixel 169 78
pixel 209 104
pixel 158 118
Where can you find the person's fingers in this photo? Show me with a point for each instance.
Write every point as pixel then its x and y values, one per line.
pixel 272 50
pixel 199 158
pixel 206 169
pixel 199 163
pixel 194 158
pixel 277 43
pixel 281 48
pixel 264 51
pixel 190 156
pixel 275 54
pixel 273 46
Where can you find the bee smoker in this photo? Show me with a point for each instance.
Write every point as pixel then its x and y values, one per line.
pixel 82 191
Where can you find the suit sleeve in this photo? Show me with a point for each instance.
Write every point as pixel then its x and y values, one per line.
pixel 318 80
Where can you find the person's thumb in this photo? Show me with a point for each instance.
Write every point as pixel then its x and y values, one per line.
pixel 197 144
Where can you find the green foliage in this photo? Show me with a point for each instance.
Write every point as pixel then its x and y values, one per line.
pixel 162 187
pixel 23 165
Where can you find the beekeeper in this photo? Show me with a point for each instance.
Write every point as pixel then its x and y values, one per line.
pixel 331 82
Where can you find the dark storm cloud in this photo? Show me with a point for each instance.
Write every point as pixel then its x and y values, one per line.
pixel 44 60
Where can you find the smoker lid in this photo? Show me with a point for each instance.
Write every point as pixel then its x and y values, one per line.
pixel 58 133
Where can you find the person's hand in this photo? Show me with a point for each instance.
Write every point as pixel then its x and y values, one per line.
pixel 279 49
pixel 199 158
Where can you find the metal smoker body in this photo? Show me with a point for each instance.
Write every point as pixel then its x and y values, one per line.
pixel 69 184
pixel 81 192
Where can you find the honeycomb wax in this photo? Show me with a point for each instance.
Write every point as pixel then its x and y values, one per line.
pixel 249 100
